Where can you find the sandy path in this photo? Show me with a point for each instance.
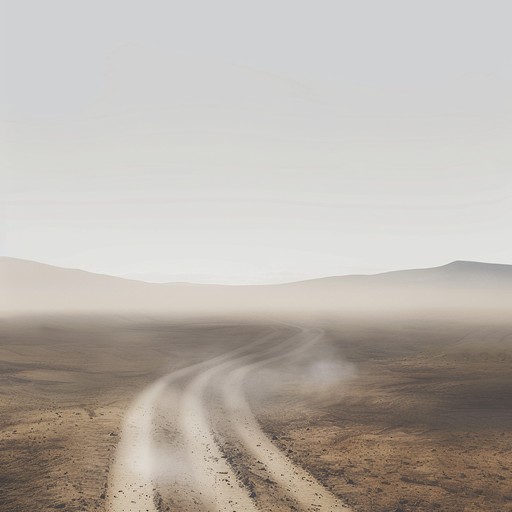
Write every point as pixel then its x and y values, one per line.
pixel 221 490
pixel 215 485
pixel 131 484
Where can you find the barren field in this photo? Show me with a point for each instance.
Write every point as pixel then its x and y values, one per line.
pixel 66 384
pixel 426 425
pixel 403 415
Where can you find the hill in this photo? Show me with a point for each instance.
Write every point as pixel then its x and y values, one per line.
pixel 31 287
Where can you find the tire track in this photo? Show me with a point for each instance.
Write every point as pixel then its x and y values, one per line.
pixel 294 481
pixel 131 482
pixel 210 474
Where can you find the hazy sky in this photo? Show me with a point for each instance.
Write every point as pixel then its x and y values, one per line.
pixel 237 141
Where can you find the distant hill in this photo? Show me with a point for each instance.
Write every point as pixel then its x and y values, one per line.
pixel 27 286
pixel 30 287
pixel 458 274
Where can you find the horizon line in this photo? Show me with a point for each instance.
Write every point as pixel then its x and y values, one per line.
pixel 193 283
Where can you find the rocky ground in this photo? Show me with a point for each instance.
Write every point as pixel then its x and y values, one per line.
pixel 404 415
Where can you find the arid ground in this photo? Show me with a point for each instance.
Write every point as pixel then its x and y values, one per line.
pixel 369 414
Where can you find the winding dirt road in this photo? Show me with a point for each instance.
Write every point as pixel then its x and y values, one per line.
pixel 169 456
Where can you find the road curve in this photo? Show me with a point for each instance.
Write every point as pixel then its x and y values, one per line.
pixel 133 486
pixel 131 482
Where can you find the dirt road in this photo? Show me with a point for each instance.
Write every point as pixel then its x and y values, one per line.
pixel 169 456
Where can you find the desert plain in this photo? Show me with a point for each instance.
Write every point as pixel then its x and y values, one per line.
pixel 385 414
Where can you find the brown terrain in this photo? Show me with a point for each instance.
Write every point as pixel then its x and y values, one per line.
pixel 421 418
pixel 425 425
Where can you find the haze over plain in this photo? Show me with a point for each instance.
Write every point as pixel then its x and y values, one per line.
pixel 261 143
pixel 468 287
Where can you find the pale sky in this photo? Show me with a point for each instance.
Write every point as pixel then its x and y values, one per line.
pixel 267 141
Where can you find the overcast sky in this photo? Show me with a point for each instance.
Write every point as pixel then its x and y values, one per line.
pixel 236 141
